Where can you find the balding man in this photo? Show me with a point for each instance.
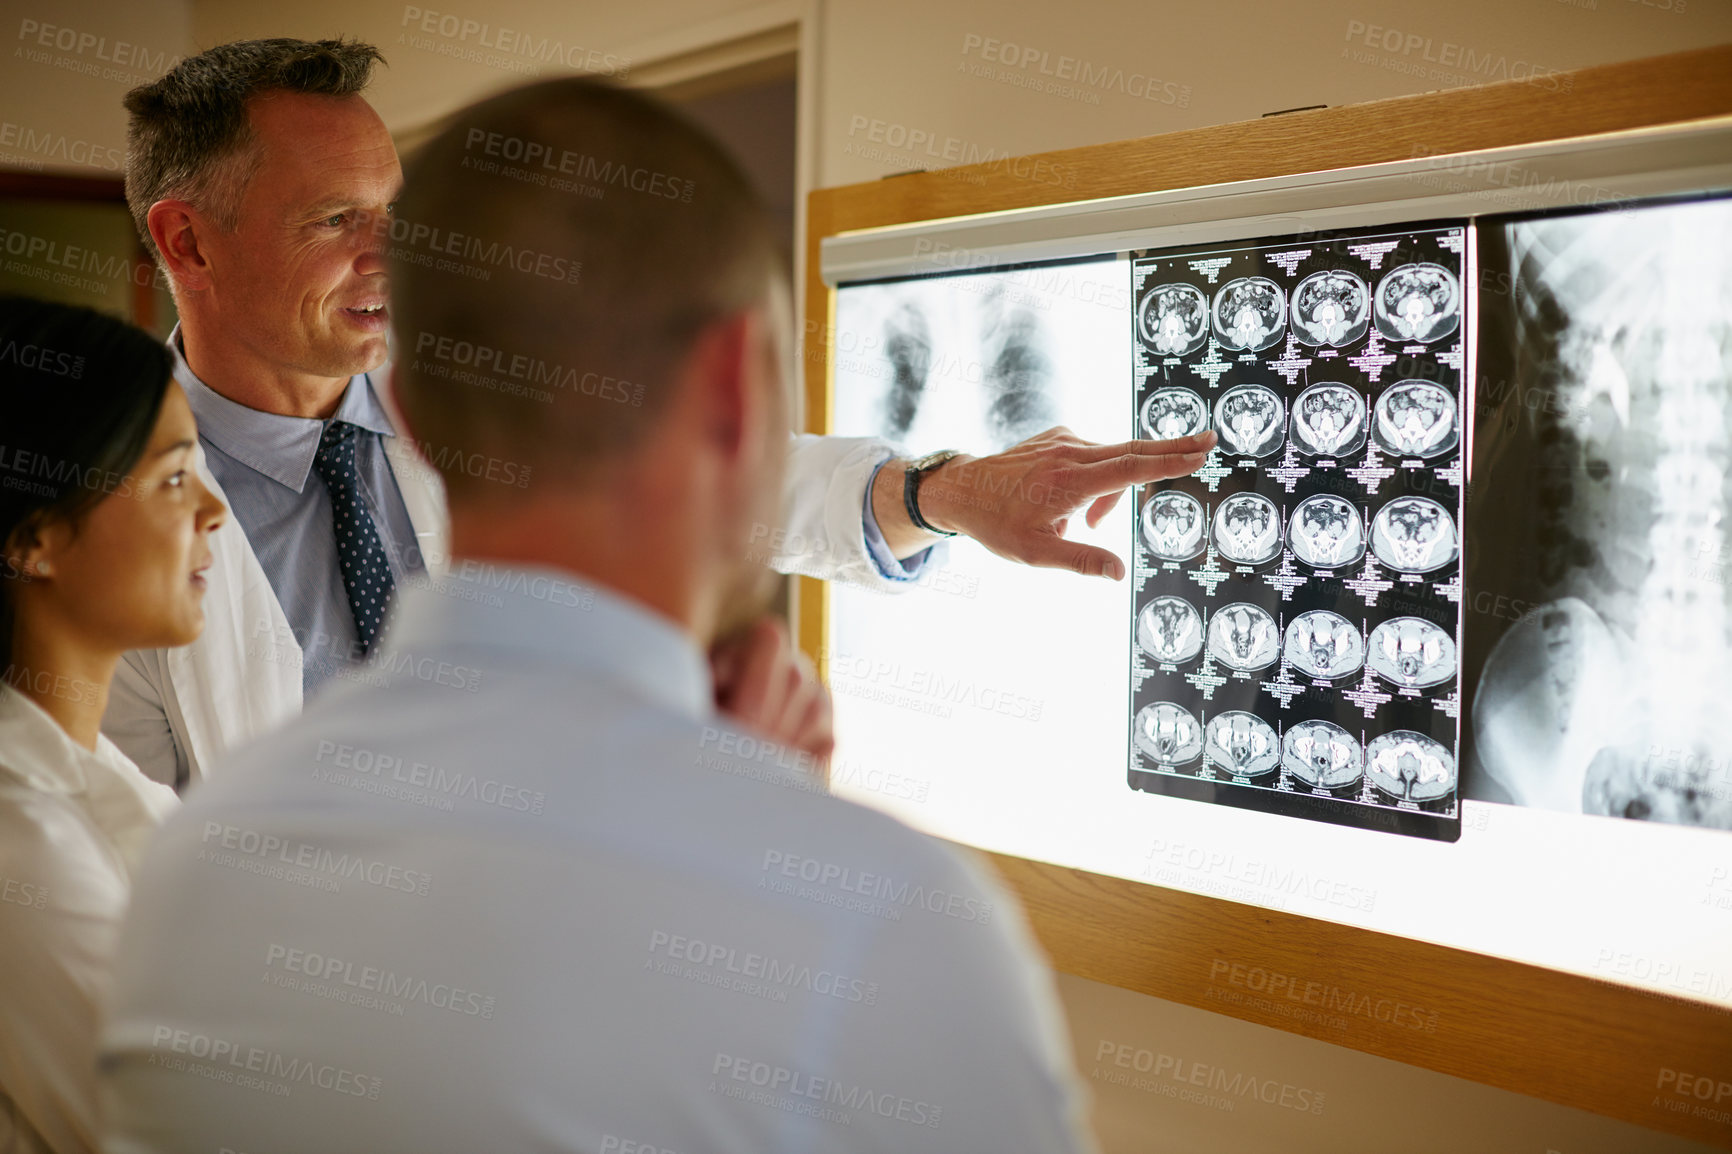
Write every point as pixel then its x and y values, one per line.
pixel 263 182
pixel 565 906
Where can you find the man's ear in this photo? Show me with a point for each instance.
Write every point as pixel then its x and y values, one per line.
pixel 178 230
pixel 721 368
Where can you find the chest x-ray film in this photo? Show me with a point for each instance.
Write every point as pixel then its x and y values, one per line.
pixel 1598 657
pixel 1298 600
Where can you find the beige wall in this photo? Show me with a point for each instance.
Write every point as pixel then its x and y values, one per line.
pixel 893 68
pixel 443 54
pixel 60 104
pixel 884 70
pixel 67 65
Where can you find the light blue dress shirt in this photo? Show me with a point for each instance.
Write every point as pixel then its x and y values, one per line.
pixel 904 569
pixel 531 892
pixel 264 463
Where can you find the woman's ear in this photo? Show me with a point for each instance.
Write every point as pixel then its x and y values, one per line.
pixel 32 550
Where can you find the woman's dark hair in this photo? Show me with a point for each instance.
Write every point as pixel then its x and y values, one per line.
pixel 79 395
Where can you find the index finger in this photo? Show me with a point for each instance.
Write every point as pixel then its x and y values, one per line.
pixel 1090 453
pixel 1140 462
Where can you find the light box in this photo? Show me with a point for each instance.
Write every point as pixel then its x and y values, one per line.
pixel 1434 648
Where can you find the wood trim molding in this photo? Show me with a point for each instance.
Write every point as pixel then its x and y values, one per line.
pixel 1609 98
pixel 1578 1041
pixel 61 186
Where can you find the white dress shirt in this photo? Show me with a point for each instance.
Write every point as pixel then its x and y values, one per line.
pixel 265 464
pixel 73 825
pixel 534 895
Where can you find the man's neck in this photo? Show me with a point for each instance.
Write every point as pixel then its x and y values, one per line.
pixel 623 546
pixel 237 373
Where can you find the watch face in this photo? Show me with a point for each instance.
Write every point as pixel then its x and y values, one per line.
pixel 932 460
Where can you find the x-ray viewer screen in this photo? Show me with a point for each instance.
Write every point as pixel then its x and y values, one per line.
pixel 1436 644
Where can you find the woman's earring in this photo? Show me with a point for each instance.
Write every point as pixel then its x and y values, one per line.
pixel 43 570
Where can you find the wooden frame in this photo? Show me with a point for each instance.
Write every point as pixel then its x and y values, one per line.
pixel 1595 1045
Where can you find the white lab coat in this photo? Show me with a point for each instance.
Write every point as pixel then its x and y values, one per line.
pixel 74 823
pixel 176 711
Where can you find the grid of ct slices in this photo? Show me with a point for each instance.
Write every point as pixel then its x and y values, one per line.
pixel 1329 481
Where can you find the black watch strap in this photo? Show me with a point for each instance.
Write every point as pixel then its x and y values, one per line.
pixel 911 478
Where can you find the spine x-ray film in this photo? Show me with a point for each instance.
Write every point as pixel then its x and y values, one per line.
pixel 1296 628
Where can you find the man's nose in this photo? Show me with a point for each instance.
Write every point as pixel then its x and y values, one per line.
pixel 372 236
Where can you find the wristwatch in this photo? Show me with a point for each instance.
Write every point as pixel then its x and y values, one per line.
pixel 911 479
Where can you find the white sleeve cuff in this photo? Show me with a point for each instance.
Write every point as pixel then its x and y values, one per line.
pixel 827 529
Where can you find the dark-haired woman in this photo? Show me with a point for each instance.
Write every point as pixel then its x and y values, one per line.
pixel 104 537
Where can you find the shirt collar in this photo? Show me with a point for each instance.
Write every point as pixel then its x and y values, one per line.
pixel 40 753
pixel 282 448
pixel 124 804
pixel 553 615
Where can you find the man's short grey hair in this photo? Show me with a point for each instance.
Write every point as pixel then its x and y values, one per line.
pixel 188 136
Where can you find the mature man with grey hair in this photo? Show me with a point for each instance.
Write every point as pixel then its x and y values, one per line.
pixel 573 908
pixel 263 182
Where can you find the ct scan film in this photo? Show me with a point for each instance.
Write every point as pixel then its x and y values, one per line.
pixel 1598 663
pixel 1297 620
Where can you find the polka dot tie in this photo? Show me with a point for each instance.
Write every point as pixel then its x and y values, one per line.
pixel 366 574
